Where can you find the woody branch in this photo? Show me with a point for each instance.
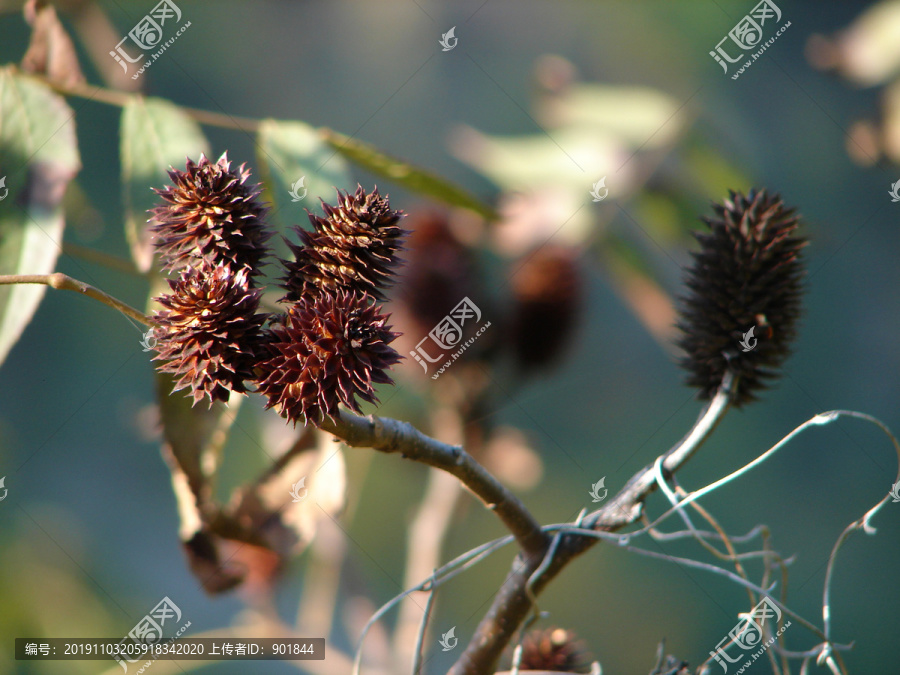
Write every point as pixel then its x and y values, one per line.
pixel 514 600
pixel 390 436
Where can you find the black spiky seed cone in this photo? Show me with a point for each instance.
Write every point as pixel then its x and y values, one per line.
pixel 208 333
pixel 354 247
pixel 747 274
pixel 325 352
pixel 554 649
pixel 211 213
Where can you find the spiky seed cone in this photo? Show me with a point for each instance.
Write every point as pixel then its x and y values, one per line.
pixel 747 274
pixel 554 649
pixel 547 293
pixel 354 248
pixel 211 213
pixel 208 334
pixel 326 351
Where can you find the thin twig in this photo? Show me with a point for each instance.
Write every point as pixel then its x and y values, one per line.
pixel 120 99
pixel 389 435
pixel 420 638
pixel 860 524
pixel 452 569
pixel 733 555
pixel 64 282
pixel 512 603
pixel 688 562
pixel 108 260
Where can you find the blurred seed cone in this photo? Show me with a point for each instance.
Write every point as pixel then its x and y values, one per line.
pixel 208 331
pixel 746 275
pixel 210 213
pixel 547 301
pixel 325 352
pixel 440 271
pixel 354 247
pixel 554 649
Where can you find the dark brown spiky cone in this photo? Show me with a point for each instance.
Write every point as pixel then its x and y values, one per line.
pixel 327 351
pixel 208 334
pixel 354 247
pixel 211 213
pixel 554 649
pixel 747 274
pixel 547 292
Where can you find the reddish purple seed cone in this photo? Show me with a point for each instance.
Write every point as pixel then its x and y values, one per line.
pixel 325 352
pixel 354 247
pixel 208 332
pixel 211 213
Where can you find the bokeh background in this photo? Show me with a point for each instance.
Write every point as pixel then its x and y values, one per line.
pixel 88 533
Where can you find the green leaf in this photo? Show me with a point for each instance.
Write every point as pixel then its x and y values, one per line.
pixel 156 134
pixel 193 438
pixel 38 158
pixel 640 117
pixel 411 177
pixel 291 153
pixel 191 432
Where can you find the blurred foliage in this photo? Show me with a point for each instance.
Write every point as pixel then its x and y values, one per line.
pixel 38 158
pixel 614 400
pixel 867 54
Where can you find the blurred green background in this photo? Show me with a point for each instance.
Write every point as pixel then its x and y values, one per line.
pixel 88 533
